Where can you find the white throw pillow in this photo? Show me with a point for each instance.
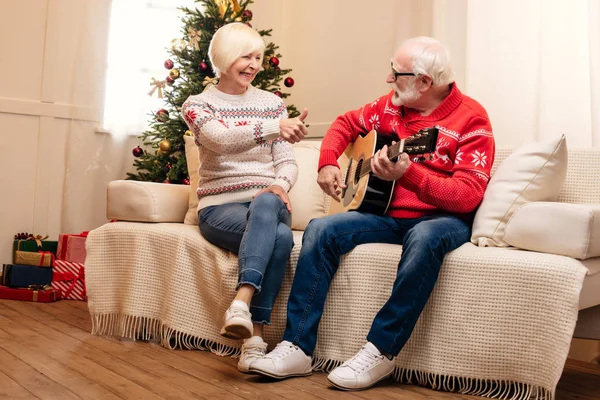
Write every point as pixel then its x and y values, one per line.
pixel 571 230
pixel 533 172
pixel 193 164
pixel 306 197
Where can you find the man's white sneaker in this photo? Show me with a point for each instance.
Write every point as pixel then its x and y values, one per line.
pixel 286 360
pixel 363 370
pixel 238 321
pixel 252 349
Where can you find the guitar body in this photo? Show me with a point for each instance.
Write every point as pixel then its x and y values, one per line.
pixel 367 193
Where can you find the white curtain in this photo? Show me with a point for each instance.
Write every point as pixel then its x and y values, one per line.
pixel 535 66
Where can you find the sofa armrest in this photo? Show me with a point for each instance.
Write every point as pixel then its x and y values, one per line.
pixel 566 229
pixel 146 201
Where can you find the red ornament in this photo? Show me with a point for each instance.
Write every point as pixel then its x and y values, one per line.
pixel 274 61
pixel 202 66
pixel 162 115
pixel 168 166
pixel 186 181
pixel 169 64
pixel 278 93
pixel 137 151
pixel 277 69
pixel 166 181
pixel 247 15
pixel 288 82
pixel 169 81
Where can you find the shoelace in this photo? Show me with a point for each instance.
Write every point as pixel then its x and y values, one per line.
pixel 238 312
pixel 282 350
pixel 255 350
pixel 363 360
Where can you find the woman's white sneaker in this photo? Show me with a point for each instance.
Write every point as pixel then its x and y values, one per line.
pixel 363 370
pixel 252 349
pixel 238 321
pixel 286 360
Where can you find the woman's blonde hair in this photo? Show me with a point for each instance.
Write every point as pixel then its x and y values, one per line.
pixel 230 42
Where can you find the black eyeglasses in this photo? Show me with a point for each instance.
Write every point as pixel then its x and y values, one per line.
pixel 397 74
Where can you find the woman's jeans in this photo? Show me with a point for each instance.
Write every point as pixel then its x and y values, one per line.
pixel 259 232
pixel 424 241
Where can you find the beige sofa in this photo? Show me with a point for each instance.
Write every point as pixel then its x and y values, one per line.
pixel 499 321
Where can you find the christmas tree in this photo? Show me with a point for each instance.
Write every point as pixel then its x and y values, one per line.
pixel 162 157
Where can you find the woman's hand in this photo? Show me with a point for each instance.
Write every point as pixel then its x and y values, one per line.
pixel 293 129
pixel 279 192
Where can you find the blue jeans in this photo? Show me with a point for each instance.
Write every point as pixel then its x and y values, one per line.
pixel 425 241
pixel 259 232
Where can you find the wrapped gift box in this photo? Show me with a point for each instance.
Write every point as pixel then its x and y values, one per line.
pixel 44 294
pixel 69 279
pixel 71 247
pixel 22 276
pixel 34 244
pixel 39 259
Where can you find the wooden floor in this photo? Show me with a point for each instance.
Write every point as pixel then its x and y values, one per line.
pixel 46 352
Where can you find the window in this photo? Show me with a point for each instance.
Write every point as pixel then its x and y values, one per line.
pixel 140 33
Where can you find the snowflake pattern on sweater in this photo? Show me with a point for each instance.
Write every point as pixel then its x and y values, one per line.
pixel 454 180
pixel 239 147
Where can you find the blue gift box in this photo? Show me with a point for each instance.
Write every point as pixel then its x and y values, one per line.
pixel 22 276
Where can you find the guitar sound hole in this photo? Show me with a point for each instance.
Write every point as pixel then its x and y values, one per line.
pixel 357 173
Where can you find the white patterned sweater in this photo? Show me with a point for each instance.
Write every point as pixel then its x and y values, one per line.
pixel 239 147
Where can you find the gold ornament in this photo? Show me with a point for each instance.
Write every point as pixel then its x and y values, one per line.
pixel 157 85
pixel 238 19
pixel 223 4
pixel 194 36
pixel 174 73
pixel 164 146
pixel 178 45
pixel 189 133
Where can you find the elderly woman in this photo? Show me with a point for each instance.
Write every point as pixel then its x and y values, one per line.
pixel 247 167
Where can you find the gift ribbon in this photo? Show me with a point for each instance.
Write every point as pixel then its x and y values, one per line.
pixel 160 85
pixel 38 240
pixel 44 253
pixel 194 36
pixel 37 288
pixel 69 276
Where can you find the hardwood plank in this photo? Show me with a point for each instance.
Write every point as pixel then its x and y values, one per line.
pixel 22 373
pixel 9 389
pixel 129 352
pixel 69 354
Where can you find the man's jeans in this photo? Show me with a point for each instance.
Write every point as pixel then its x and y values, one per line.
pixel 259 232
pixel 425 241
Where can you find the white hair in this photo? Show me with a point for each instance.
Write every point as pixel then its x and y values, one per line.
pixel 430 57
pixel 230 42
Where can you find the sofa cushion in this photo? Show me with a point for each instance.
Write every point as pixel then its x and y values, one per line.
pixel 571 230
pixel 307 198
pixel 533 172
pixel 193 164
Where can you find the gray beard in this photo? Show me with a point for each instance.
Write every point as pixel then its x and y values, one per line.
pixel 401 98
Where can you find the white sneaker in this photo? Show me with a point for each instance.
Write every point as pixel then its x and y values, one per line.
pixel 238 321
pixel 363 370
pixel 286 360
pixel 252 349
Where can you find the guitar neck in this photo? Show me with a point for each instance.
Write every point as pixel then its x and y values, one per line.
pixel 393 152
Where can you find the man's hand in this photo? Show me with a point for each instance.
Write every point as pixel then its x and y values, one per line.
pixel 279 192
pixel 386 169
pixel 330 180
pixel 293 129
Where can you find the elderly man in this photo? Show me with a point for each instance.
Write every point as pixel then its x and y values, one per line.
pixel 429 214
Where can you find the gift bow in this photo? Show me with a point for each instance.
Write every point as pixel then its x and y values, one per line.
pixel 194 36
pixel 208 82
pixel 160 85
pixel 69 276
pixel 38 239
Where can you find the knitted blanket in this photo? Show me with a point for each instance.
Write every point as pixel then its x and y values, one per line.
pixel 499 322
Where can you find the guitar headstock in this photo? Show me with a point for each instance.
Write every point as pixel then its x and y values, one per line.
pixel 422 142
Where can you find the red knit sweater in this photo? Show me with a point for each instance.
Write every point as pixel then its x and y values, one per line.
pixel 454 181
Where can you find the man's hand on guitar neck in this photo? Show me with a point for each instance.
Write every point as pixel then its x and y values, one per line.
pixel 330 180
pixel 386 169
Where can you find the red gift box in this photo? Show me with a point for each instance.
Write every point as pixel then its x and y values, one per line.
pixel 69 279
pixel 71 247
pixel 43 294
